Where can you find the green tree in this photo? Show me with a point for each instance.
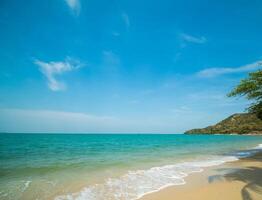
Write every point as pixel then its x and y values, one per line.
pixel 251 88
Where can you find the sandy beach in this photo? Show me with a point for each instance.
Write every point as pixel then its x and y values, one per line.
pixel 239 180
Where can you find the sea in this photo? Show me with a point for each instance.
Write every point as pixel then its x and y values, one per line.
pixel 109 166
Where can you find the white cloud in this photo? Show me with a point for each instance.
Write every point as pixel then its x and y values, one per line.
pixel 74 5
pixel 193 39
pixel 212 72
pixel 126 20
pixel 20 120
pixel 52 69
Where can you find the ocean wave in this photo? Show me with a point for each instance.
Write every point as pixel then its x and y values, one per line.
pixel 136 184
pixel 258 146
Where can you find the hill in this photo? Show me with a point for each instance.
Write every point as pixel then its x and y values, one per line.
pixel 241 123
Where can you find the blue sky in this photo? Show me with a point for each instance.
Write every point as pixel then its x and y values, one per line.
pixel 124 66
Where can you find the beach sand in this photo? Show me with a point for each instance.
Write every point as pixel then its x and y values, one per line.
pixel 240 180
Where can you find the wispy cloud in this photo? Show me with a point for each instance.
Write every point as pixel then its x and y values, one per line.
pixel 134 101
pixel 192 39
pixel 181 110
pixel 207 95
pixel 177 56
pixel 51 69
pixel 126 20
pixel 217 71
pixel 185 39
pixel 115 33
pixel 74 5
pixel 54 121
pixel 148 91
pixel 110 59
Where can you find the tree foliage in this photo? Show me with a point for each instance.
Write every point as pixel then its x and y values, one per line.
pixel 251 88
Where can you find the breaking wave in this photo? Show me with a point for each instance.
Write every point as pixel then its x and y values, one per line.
pixel 136 184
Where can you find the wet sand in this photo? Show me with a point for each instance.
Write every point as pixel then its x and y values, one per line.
pixel 239 180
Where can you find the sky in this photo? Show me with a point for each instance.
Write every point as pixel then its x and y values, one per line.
pixel 119 66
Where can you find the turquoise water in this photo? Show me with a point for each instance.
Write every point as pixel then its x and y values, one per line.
pixel 107 166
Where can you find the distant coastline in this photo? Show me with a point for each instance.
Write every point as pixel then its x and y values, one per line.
pixel 236 124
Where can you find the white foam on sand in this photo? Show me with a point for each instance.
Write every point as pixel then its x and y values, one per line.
pixel 26 185
pixel 136 184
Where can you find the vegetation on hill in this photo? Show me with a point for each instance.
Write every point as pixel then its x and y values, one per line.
pixel 244 123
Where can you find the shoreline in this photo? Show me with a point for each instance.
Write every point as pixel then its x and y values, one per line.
pixel 239 179
pixel 190 181
pixel 131 168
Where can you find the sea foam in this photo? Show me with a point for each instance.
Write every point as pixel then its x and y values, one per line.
pixel 136 184
pixel 258 146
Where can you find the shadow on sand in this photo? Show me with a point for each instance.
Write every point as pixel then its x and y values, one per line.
pixel 251 176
